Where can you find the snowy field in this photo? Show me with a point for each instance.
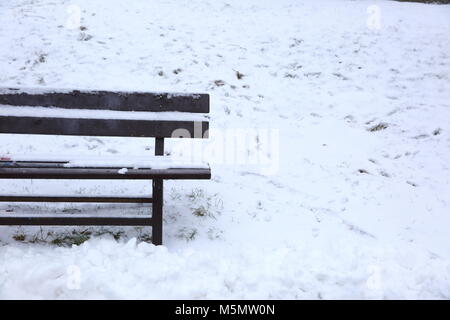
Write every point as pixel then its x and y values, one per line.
pixel 352 200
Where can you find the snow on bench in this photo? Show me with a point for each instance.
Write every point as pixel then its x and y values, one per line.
pixel 108 161
pixel 53 112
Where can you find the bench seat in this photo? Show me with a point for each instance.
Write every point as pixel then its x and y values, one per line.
pixel 49 170
pixel 108 168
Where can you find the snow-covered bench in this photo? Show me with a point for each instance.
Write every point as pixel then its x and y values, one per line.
pixel 101 113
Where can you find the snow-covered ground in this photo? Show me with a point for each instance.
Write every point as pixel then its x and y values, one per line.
pixel 350 200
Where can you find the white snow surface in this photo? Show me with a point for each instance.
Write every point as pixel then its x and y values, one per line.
pixel 52 112
pixel 46 90
pixel 358 206
pixel 137 162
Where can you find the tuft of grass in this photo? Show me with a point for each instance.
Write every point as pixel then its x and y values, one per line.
pixel 219 83
pixel 421 136
pixel 41 58
pixel 41 81
pixel 437 131
pixel 214 233
pixel 200 212
pixel 73 238
pixel 196 194
pixel 411 183
pixel 204 205
pixel 290 75
pixel 378 127
pixel 188 234
pixel 384 174
pixel 84 37
pixel 174 194
pixel 145 238
pixel 117 235
pixel 239 75
pixel 20 237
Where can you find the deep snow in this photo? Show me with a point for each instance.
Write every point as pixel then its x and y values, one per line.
pixel 348 101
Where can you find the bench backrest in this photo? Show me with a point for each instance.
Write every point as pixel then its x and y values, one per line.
pixel 101 113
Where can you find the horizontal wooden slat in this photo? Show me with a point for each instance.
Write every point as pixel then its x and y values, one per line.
pixel 111 163
pixel 110 173
pixel 106 100
pixel 32 164
pixel 67 220
pixel 102 127
pixel 13 198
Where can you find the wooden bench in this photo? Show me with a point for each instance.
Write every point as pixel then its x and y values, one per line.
pixel 63 112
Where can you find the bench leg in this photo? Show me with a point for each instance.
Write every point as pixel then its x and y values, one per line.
pixel 157 214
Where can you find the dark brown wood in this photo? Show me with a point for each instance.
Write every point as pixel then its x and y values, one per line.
pixel 101 127
pixel 56 164
pixel 111 173
pixel 32 164
pixel 14 198
pixel 107 100
pixel 157 212
pixel 159 146
pixel 68 220
pixel 157 195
